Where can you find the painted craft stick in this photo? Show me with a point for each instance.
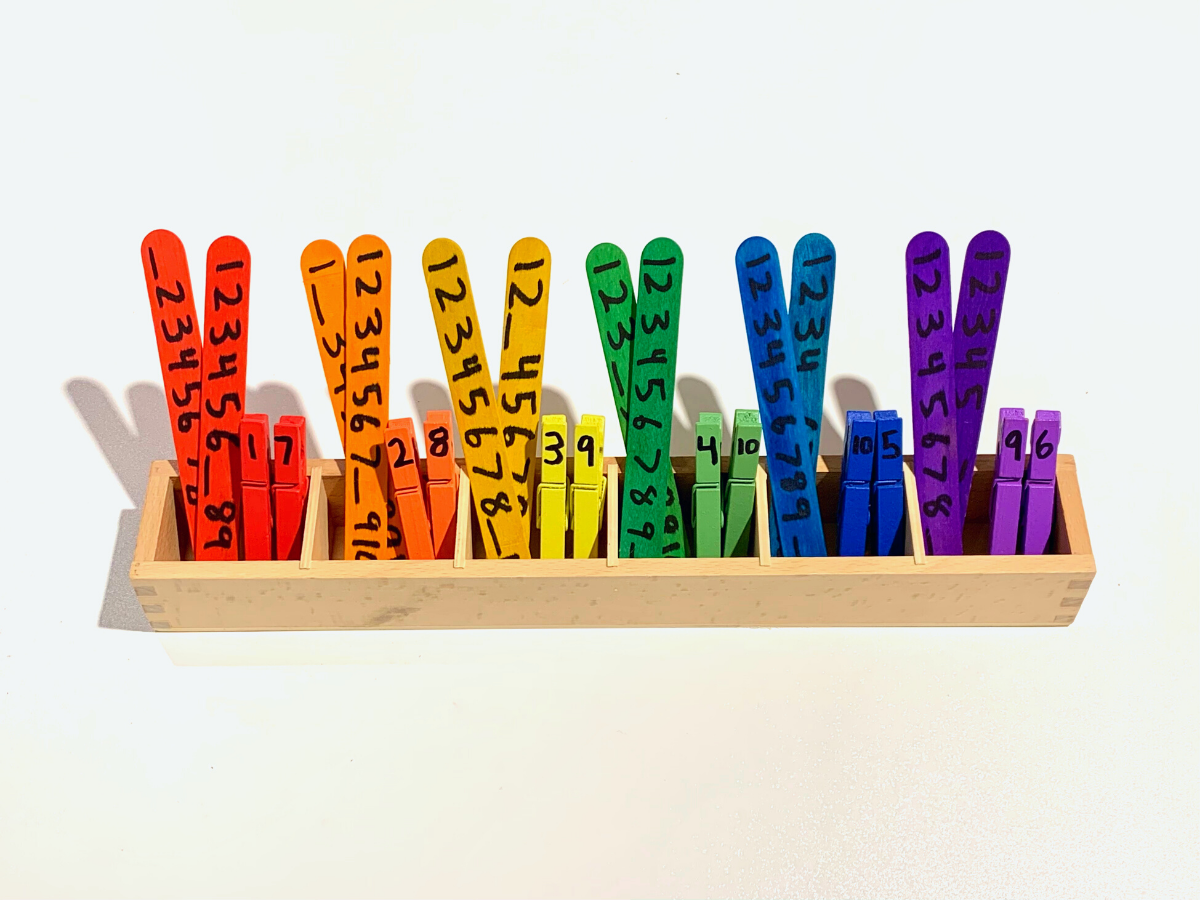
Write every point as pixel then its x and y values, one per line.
pixel 324 273
pixel 976 326
pixel 1005 508
pixel 931 349
pixel 648 527
pixel 587 487
pixel 177 331
pixel 1038 506
pixel 789 464
pixel 403 458
pixel 492 487
pixel 254 443
pixel 290 491
pixel 552 491
pixel 521 362
pixel 858 462
pixel 887 488
pixel 223 395
pixel 368 356
pixel 739 487
pixel 441 481
pixel 810 316
pixel 706 492
pixel 613 297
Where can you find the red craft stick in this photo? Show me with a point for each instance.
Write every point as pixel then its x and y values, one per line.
pixel 441 473
pixel 223 394
pixel 176 328
pixel 401 441
pixel 254 446
pixel 291 485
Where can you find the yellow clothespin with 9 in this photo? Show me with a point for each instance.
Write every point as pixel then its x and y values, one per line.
pixel 552 489
pixel 587 487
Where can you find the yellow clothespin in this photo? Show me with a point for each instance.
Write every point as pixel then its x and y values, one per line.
pixel 587 487
pixel 552 491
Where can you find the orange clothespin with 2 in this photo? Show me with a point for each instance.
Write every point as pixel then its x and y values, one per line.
pixel 401 440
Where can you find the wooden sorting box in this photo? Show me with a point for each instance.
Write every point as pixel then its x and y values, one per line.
pixel 321 591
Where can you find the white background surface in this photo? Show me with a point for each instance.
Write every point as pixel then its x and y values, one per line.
pixel 919 762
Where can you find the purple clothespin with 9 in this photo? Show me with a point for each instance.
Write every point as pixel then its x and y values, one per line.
pixel 1038 512
pixel 1005 514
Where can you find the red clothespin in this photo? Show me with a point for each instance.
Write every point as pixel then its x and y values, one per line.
pixel 403 456
pixel 291 485
pixel 441 473
pixel 255 448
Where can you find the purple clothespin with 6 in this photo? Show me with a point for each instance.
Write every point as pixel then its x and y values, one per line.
pixel 1038 512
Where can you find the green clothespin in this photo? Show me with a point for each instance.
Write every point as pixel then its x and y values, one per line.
pixel 706 493
pixel 739 489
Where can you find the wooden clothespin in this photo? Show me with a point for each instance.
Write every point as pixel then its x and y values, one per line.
pixel 177 330
pixel 976 326
pixel 1005 508
pixel 931 351
pixel 493 489
pixel 810 317
pixel 441 481
pixel 552 488
pixel 790 465
pixel 368 356
pixel 223 396
pixel 858 463
pixel 1040 480
pixel 739 487
pixel 522 353
pixel 706 493
pixel 588 486
pixel 887 488
pixel 324 273
pixel 254 440
pixel 290 490
pixel 406 486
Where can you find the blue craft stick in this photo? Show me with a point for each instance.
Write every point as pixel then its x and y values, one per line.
pixel 887 491
pixel 790 466
pixel 809 317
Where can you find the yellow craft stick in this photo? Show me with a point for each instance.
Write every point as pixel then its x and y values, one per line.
pixel 492 485
pixel 324 274
pixel 552 491
pixel 587 488
pixel 368 354
pixel 523 349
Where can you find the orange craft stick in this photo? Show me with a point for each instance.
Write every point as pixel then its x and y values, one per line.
pixel 406 484
pixel 368 353
pixel 254 447
pixel 441 473
pixel 324 274
pixel 291 485
pixel 177 330
pixel 223 392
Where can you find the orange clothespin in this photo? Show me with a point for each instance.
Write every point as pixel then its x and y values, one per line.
pixel 403 457
pixel 222 397
pixel 441 474
pixel 255 448
pixel 291 485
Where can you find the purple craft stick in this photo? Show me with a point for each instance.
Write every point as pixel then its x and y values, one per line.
pixel 1040 482
pixel 976 325
pixel 1005 513
pixel 931 349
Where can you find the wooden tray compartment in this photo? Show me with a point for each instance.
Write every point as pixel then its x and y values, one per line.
pixel 319 592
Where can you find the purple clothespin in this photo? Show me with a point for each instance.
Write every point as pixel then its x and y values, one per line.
pixel 931 355
pixel 1038 512
pixel 1006 485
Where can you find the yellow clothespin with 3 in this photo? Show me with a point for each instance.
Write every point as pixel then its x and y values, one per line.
pixel 587 487
pixel 552 489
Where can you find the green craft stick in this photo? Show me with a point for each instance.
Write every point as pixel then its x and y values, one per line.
pixel 739 489
pixel 706 493
pixel 648 527
pixel 613 297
